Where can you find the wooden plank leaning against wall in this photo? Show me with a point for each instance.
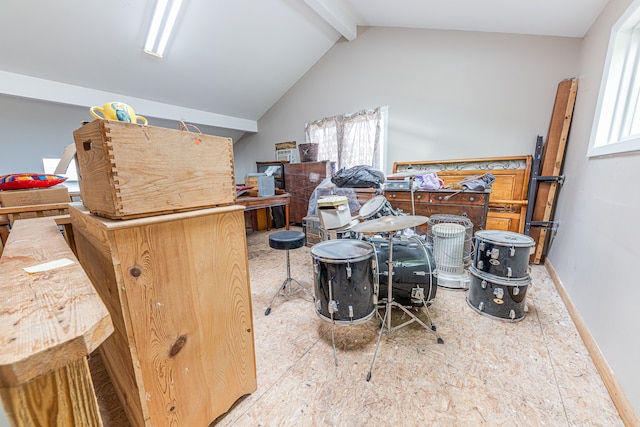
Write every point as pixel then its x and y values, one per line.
pixel 551 164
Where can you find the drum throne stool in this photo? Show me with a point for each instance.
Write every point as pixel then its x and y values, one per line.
pixel 286 240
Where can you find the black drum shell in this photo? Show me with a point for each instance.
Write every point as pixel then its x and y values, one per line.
pixel 512 260
pixel 356 291
pixel 410 256
pixel 484 301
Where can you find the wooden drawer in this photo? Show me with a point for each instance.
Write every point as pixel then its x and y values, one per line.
pixel 473 205
pixel 506 221
pixel 440 196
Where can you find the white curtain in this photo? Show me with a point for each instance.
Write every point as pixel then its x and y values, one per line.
pixel 349 140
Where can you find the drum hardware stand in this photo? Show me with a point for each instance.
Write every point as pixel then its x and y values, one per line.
pixel 332 307
pixel 413 190
pixel 286 290
pixel 390 303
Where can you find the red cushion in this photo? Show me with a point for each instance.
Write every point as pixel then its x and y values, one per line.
pixel 18 181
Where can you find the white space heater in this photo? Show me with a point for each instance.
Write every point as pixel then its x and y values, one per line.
pixel 448 251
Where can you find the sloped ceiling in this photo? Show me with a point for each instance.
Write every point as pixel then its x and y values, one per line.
pixel 228 61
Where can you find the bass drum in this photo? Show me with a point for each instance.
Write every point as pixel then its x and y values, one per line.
pixel 414 267
pixel 344 280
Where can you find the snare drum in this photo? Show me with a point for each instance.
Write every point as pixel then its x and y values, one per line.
pixel 497 297
pixel 502 253
pixel 413 269
pixel 376 207
pixel 344 278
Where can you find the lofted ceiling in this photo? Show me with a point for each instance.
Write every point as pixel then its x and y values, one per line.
pixel 228 61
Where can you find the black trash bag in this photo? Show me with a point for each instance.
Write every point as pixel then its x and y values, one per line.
pixel 358 177
pixel 480 182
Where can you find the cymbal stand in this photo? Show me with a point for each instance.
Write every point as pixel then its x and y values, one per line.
pixel 386 322
pixel 332 307
pixel 412 190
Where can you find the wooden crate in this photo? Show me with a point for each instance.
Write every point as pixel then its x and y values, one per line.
pixel 129 170
pixel 31 197
pixel 34 196
pixel 177 289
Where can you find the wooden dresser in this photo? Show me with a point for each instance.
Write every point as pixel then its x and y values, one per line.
pixel 508 199
pixel 300 181
pixel 471 204
pixel 177 289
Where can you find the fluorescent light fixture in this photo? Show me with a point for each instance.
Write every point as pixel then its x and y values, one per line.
pixel 161 26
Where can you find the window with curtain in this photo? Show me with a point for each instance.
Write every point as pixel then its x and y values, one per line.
pixel 616 126
pixel 350 139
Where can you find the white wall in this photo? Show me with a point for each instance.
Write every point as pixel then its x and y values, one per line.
pixel 597 247
pixel 31 130
pixel 450 94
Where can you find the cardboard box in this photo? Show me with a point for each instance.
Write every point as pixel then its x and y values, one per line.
pixel 287 152
pixel 128 170
pixel 334 212
pixel 264 184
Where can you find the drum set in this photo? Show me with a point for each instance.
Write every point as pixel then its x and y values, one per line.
pixel 376 266
pixel 379 263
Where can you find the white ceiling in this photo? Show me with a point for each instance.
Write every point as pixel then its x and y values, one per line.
pixel 229 60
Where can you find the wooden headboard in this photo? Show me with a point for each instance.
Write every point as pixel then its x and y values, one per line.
pixel 508 200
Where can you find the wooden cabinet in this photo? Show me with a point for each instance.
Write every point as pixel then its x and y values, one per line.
pixel 471 204
pixel 177 289
pixel 300 181
pixel 508 200
pixel 278 176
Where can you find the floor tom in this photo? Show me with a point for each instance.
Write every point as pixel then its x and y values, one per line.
pixel 344 281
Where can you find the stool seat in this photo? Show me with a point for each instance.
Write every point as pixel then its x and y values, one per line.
pixel 289 239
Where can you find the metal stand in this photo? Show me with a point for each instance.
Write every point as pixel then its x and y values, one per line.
pixel 386 322
pixel 285 289
pixel 533 187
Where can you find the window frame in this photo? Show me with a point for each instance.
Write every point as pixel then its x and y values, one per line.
pixel 619 96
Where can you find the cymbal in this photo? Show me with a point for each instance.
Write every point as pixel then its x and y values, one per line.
pixel 389 223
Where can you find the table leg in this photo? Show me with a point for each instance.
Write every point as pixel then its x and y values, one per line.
pixel 286 216
pixel 269 214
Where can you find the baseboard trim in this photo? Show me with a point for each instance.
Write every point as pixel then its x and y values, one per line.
pixel 620 400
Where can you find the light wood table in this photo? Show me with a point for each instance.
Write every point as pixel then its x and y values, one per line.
pixel 252 203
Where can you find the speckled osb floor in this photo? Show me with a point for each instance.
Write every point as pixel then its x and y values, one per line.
pixel 488 372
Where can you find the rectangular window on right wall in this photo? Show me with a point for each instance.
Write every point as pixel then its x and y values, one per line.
pixel 616 125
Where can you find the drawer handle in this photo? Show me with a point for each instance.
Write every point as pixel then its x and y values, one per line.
pixel 471 199
pixel 419 196
pixel 392 196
